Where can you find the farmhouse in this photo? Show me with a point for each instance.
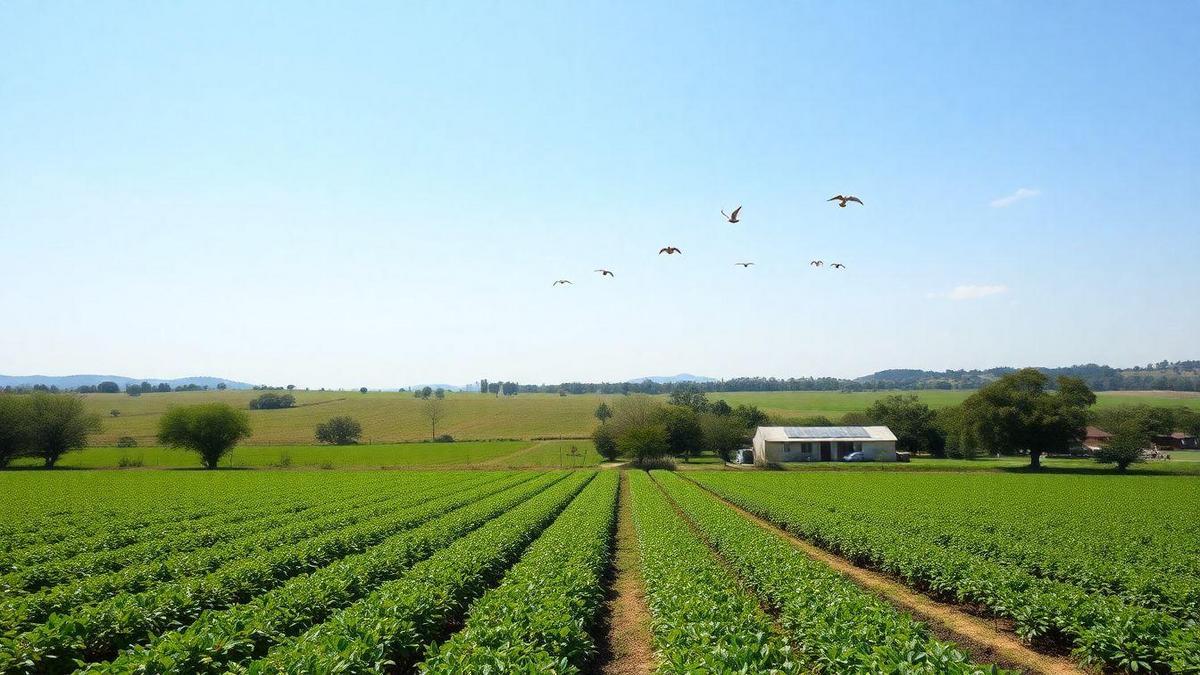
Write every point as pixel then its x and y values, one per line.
pixel 1094 439
pixel 822 444
pixel 1176 441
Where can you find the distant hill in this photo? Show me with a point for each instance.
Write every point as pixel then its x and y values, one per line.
pixel 76 381
pixel 673 379
pixel 1164 375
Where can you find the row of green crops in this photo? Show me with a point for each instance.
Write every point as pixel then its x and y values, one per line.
pixel 542 615
pixel 392 626
pixel 933 532
pixel 702 621
pixel 22 612
pixel 221 640
pixel 832 624
pixel 72 506
pixel 98 631
pixel 154 543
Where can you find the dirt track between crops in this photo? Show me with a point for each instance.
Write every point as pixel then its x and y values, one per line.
pixel 626 649
pixel 985 640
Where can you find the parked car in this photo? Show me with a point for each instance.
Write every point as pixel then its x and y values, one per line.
pixel 859 456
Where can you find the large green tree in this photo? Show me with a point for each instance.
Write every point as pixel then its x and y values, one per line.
pixel 59 423
pixel 1019 413
pixel 684 436
pixel 16 432
pixel 723 434
pixel 208 429
pixel 911 421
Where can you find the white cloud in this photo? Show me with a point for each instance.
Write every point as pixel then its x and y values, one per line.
pixel 974 292
pixel 1020 194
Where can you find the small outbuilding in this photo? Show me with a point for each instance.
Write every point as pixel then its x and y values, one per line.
pixel 775 445
pixel 1176 441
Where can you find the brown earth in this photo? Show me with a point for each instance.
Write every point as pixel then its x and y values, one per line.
pixel 984 639
pixel 626 649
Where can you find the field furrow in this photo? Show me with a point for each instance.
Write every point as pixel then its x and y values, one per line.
pixel 542 616
pixel 833 625
pixel 392 627
pixel 97 632
pixel 702 620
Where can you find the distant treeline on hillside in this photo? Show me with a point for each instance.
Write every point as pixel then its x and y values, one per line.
pixel 1164 375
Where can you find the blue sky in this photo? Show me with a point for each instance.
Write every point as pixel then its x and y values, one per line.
pixel 348 194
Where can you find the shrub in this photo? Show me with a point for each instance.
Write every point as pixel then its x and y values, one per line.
pixel 127 462
pixel 127 442
pixel 341 430
pixel 444 438
pixel 272 401
pixel 209 429
pixel 605 441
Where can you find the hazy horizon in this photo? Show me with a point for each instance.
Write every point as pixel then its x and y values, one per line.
pixel 382 195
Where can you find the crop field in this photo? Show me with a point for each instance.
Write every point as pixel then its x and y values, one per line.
pixel 512 571
pixel 481 454
pixel 396 417
pixel 1103 566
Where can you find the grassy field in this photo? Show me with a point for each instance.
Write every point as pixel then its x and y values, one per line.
pixel 475 454
pixel 396 417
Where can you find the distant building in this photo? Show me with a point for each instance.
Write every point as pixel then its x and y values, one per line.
pixel 1094 439
pixel 774 445
pixel 1176 441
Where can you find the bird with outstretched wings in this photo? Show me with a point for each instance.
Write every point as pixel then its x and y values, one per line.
pixel 839 266
pixel 816 263
pixel 561 281
pixel 604 272
pixel 842 199
pixel 745 264
pixel 669 250
pixel 732 217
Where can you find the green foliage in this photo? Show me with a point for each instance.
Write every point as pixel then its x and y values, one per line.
pixel 720 408
pixel 1124 448
pixel 643 443
pixel 1017 413
pixel 394 622
pixel 723 434
pixel 835 625
pixel 684 436
pixel 603 412
pixel 701 619
pixel 1067 559
pixel 913 423
pixel 127 442
pixel 58 423
pixel 605 441
pixel 689 397
pixel 749 416
pixel 272 401
pixel 340 430
pixel 16 431
pixel 208 429
pixel 239 598
pixel 543 615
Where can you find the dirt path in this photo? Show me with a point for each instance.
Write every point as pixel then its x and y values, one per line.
pixel 626 648
pixel 984 640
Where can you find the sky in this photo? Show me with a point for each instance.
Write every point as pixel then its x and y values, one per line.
pixel 380 194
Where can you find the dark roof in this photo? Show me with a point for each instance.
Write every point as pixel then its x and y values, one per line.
pixel 1097 432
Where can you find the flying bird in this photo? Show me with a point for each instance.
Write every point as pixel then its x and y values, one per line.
pixel 747 264
pixel 732 217
pixel 844 199
pixel 816 263
pixel 669 250
pixel 604 273
pixel 839 266
pixel 561 281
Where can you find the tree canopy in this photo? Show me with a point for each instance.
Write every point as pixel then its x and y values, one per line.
pixel 59 423
pixel 340 430
pixel 209 429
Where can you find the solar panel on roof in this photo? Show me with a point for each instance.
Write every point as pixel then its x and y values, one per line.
pixel 826 432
